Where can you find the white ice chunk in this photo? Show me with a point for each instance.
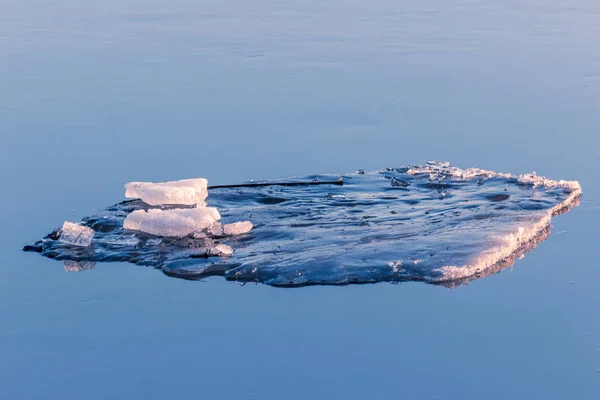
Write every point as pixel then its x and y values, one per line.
pixel 187 191
pixel 220 250
pixel 237 228
pixel 176 222
pixel 216 229
pixel 198 235
pixel 76 235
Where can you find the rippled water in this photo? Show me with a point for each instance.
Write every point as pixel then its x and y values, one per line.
pixel 432 223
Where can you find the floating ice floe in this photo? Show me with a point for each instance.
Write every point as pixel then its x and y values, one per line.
pixel 183 192
pixel 433 223
pixel 76 235
pixel 173 223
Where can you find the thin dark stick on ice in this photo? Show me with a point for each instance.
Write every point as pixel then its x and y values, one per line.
pixel 262 184
pixel 266 184
pixel 259 184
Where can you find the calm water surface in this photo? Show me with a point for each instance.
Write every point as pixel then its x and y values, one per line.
pixel 95 95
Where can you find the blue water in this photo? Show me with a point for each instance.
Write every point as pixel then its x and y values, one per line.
pixel 95 95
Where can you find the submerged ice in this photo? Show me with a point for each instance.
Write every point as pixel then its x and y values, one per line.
pixel 434 223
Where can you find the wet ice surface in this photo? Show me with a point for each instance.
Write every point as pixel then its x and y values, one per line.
pixel 432 223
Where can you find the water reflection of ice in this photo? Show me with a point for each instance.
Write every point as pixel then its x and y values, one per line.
pixel 78 266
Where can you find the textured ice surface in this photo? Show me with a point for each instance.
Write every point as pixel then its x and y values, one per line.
pixel 76 235
pixel 185 192
pixel 433 223
pixel 174 222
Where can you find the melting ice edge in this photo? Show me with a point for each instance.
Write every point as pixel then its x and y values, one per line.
pixel 433 223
